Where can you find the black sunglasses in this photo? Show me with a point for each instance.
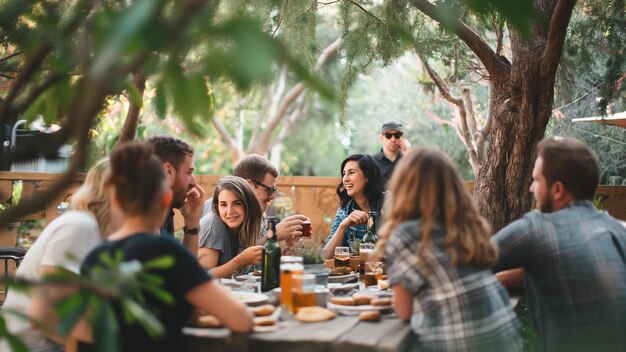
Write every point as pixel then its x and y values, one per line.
pixel 269 190
pixel 398 135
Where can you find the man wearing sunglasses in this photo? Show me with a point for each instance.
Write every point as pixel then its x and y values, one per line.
pixel 394 146
pixel 261 176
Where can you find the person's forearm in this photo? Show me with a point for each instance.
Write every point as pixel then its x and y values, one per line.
pixel 191 242
pixel 512 280
pixel 227 269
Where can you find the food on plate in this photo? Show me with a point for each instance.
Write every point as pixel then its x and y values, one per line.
pixel 256 273
pixel 341 270
pixel 264 321
pixel 343 301
pixel 362 299
pixel 383 284
pixel 264 310
pixel 208 321
pixel 381 302
pixel 314 314
pixel 370 315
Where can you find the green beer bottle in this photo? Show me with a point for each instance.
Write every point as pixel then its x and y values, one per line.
pixel 371 236
pixel 270 277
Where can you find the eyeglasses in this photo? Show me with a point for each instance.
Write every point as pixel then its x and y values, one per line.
pixel 398 135
pixel 269 190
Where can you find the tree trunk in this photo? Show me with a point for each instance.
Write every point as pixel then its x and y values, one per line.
pixel 520 110
pixel 520 103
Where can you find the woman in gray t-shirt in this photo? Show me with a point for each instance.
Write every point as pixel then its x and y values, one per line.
pixel 229 232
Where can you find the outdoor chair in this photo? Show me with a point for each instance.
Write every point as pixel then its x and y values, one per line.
pixel 7 255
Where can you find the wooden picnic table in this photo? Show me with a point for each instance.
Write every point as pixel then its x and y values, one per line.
pixel 341 334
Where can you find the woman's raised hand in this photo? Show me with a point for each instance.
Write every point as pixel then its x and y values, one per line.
pixel 357 217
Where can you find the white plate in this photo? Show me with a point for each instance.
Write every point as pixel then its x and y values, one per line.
pixel 341 278
pixel 338 307
pixel 249 297
pixel 248 277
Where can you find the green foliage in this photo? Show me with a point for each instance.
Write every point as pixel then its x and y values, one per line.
pixel 608 142
pixel 113 282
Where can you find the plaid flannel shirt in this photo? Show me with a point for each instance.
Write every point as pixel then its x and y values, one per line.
pixel 458 308
pixel 575 275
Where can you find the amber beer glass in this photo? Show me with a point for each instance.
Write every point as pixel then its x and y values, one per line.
pixel 342 256
pixel 373 273
pixel 303 291
pixel 365 249
pixel 289 266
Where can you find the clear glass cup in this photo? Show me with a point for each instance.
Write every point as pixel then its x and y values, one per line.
pixel 303 291
pixel 289 266
pixel 342 256
pixel 373 273
pixel 365 249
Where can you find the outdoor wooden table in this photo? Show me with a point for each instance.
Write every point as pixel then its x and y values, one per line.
pixel 341 334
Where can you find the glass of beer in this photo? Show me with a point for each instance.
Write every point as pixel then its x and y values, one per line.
pixel 342 256
pixel 365 249
pixel 303 291
pixel 373 273
pixel 289 266
pixel 307 230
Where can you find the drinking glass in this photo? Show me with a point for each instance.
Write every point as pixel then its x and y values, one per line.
pixel 365 249
pixel 373 273
pixel 289 266
pixel 303 291
pixel 342 256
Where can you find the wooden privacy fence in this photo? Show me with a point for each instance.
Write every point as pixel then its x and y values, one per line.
pixel 314 197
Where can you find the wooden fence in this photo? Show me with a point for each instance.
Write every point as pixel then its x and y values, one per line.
pixel 314 197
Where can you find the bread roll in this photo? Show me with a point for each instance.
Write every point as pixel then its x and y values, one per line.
pixel 264 321
pixel 370 315
pixel 314 314
pixel 383 284
pixel 362 299
pixel 264 310
pixel 381 302
pixel 209 321
pixel 343 301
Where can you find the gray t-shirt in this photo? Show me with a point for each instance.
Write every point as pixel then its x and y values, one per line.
pixel 214 234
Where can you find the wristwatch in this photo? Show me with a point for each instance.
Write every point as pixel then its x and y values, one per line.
pixel 190 230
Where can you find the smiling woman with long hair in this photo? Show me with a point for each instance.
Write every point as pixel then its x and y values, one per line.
pixel 359 191
pixel 439 255
pixel 228 246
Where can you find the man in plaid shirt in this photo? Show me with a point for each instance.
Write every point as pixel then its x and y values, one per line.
pixel 572 254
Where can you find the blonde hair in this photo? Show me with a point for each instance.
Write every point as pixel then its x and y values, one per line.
pixel 426 186
pixel 93 196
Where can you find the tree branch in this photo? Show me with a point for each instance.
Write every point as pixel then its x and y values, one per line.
pixel 497 68
pixel 129 129
pixel 556 36
pixel 51 80
pixel 289 98
pixel 367 12
pixel 228 139
pixel 465 134
pixel 7 58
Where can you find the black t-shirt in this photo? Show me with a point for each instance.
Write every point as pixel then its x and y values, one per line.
pixel 385 166
pixel 178 279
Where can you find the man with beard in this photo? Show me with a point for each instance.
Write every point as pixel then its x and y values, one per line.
pixel 177 157
pixel 572 255
pixel 394 146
